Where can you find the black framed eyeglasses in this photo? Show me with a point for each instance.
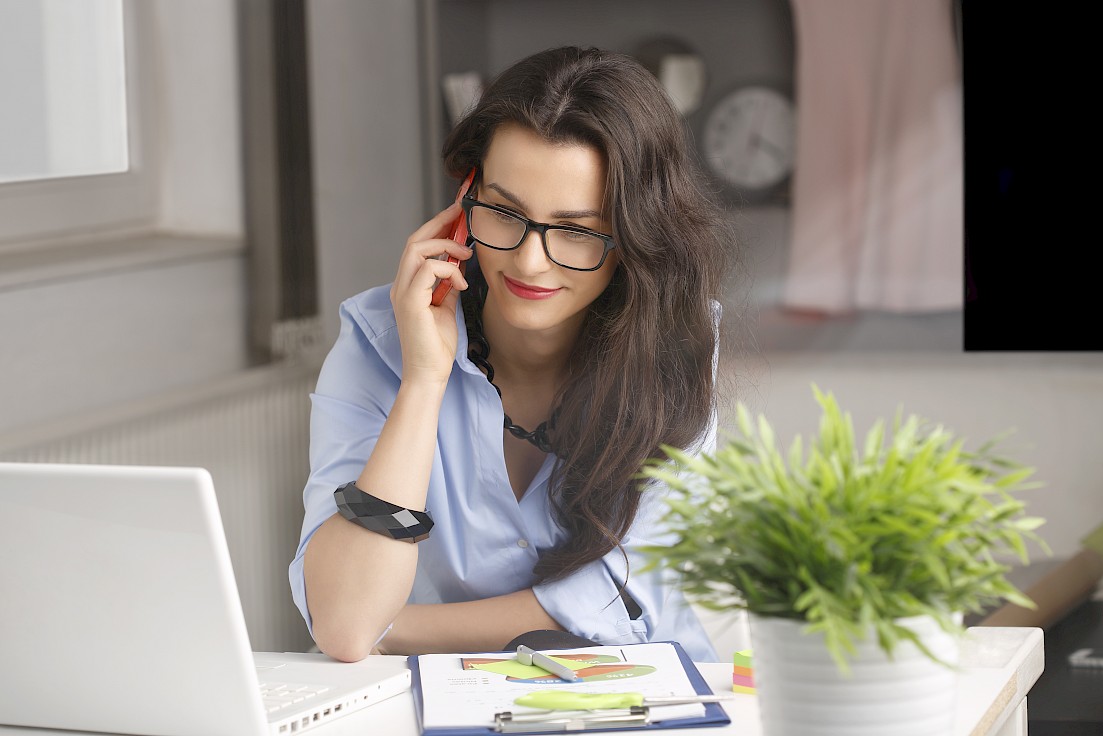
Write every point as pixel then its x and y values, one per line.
pixel 575 248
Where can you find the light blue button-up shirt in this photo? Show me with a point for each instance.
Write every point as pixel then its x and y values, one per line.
pixel 485 542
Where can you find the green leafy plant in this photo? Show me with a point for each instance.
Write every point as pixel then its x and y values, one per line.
pixel 848 538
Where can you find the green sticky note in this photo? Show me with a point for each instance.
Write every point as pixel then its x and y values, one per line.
pixel 1094 540
pixel 511 668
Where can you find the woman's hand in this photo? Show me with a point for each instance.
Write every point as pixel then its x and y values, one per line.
pixel 428 333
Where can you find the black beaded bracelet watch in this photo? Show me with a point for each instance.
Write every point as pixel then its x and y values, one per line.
pixel 382 517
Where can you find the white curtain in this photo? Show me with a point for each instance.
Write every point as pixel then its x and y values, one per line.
pixel 877 210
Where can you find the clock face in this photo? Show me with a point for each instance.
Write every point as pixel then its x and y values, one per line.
pixel 748 140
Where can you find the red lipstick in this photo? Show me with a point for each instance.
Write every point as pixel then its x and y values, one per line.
pixel 525 291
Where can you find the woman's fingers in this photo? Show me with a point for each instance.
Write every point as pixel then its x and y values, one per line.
pixel 431 241
pixel 440 226
pixel 427 333
pixel 429 253
pixel 433 270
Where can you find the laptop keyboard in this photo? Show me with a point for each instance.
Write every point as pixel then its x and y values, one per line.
pixel 277 696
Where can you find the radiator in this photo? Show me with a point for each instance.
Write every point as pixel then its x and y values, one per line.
pixel 251 431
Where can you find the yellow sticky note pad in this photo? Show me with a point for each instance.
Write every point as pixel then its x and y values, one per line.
pixel 513 668
pixel 742 674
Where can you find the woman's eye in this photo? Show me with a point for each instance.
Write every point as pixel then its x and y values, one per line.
pixel 574 237
pixel 503 218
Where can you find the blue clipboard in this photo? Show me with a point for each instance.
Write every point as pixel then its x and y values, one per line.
pixel 714 715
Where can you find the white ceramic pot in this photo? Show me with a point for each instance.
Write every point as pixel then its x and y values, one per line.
pixel 801 691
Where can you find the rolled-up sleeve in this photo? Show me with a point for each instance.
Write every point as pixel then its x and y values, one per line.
pixel 351 401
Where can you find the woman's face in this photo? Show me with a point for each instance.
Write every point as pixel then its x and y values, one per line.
pixel 556 184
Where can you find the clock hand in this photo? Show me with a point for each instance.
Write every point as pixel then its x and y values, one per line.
pixel 755 125
pixel 775 150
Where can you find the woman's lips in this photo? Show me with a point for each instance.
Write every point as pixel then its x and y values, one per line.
pixel 526 291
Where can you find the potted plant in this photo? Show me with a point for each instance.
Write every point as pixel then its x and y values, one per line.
pixel 855 563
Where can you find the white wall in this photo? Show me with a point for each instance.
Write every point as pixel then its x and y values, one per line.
pixel 1053 403
pixel 88 343
pixel 78 338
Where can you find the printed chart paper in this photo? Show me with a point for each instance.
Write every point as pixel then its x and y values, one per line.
pixel 467 690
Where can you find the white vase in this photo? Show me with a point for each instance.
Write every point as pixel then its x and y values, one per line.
pixel 801 691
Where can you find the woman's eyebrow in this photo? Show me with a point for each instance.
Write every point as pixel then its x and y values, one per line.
pixel 560 215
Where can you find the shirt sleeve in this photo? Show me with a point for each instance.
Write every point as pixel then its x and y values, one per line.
pixel 588 602
pixel 351 401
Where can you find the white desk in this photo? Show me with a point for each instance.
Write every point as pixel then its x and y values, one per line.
pixel 1000 666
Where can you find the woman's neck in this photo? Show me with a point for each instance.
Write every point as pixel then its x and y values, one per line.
pixel 526 356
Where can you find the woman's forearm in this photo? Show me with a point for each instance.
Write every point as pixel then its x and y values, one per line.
pixel 357 581
pixel 472 626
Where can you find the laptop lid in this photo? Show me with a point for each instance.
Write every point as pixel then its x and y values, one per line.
pixel 120 610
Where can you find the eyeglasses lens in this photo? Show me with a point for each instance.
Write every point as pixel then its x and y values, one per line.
pixel 566 247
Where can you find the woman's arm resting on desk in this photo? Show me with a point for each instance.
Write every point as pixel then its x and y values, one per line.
pixel 473 626
pixel 351 603
pixel 356 580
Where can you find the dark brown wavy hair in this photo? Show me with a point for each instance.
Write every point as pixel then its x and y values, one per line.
pixel 641 372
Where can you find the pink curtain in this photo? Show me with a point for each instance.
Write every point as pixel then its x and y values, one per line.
pixel 877 210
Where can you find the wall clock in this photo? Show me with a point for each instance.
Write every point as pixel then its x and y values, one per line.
pixel 749 141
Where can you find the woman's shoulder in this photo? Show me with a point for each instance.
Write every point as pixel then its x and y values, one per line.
pixel 367 344
pixel 371 311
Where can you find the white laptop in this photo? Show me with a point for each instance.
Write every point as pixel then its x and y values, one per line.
pixel 119 613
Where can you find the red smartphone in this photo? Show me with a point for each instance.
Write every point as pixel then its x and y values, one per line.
pixel 459 234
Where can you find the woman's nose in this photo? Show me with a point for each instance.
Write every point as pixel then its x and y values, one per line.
pixel 530 254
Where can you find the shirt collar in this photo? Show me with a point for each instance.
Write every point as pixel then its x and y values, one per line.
pixel 462 360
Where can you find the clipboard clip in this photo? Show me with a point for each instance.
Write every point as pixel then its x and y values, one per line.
pixel 582 720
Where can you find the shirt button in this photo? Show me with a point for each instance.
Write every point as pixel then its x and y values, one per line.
pixel 522 543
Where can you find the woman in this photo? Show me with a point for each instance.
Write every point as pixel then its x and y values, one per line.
pixel 519 415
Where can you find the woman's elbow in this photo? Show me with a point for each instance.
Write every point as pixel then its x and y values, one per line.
pixel 346 653
pixel 346 645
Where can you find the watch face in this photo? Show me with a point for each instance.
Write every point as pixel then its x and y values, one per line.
pixel 748 140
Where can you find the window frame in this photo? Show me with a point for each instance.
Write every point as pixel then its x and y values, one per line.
pixel 98 204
